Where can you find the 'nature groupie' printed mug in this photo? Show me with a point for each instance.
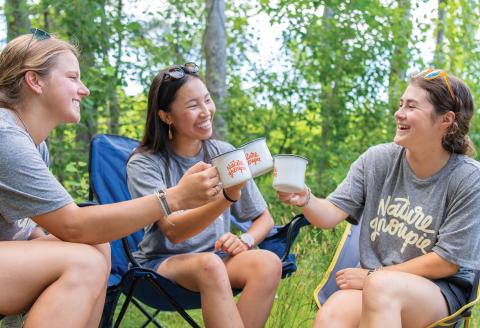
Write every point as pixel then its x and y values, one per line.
pixel 258 156
pixel 232 167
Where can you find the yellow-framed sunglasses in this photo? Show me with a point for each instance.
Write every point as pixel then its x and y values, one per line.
pixel 430 74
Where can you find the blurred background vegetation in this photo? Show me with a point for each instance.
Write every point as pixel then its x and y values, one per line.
pixel 328 92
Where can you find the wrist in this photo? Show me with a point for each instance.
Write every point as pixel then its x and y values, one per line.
pixel 248 240
pixel 230 198
pixel 370 271
pixel 308 195
pixel 173 198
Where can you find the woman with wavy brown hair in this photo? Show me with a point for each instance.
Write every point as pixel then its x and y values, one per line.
pixel 418 203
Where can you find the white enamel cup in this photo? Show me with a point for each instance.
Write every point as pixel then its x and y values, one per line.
pixel 259 159
pixel 232 167
pixel 289 173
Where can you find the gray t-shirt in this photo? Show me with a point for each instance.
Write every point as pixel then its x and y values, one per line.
pixel 147 172
pixel 27 187
pixel 403 217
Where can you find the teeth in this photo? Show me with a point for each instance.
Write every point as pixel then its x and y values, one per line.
pixel 205 125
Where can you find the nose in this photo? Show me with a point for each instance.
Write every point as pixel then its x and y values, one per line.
pixel 400 114
pixel 83 90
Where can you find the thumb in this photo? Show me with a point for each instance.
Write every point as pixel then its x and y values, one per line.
pixel 198 167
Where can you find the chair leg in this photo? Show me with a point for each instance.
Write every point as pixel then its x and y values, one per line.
pixel 173 303
pixel 466 324
pixel 150 318
pixel 125 304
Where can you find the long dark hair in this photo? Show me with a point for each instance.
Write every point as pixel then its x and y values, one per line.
pixel 456 139
pixel 160 97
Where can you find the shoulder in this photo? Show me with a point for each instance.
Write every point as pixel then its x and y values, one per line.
pixel 465 169
pixel 144 159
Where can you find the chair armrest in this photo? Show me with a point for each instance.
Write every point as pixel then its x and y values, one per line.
pixel 294 227
pixel 87 203
pixel 128 252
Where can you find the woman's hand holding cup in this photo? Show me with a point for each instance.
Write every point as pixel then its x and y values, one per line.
pixel 299 199
pixel 199 185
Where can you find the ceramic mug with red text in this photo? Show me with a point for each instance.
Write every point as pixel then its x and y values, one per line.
pixel 289 173
pixel 258 156
pixel 232 167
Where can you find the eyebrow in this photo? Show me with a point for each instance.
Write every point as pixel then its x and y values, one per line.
pixel 409 100
pixel 194 99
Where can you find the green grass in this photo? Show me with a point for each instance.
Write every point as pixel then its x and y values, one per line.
pixel 293 306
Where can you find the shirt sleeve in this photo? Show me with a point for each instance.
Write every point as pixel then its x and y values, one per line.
pixel 144 176
pixel 458 238
pixel 349 196
pixel 27 187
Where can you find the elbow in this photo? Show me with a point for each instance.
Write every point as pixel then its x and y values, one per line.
pixel 172 236
pixel 72 232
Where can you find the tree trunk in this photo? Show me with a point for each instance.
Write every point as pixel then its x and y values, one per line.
pixel 215 50
pixel 439 57
pixel 16 12
pixel 402 29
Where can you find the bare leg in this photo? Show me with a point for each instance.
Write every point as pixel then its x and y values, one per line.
pixel 97 311
pixel 342 309
pixel 398 299
pixel 205 273
pixel 61 282
pixel 258 272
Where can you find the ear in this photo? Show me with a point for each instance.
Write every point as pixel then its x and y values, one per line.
pixel 33 82
pixel 447 119
pixel 164 116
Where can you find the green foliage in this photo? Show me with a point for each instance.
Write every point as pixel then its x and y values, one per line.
pixel 328 94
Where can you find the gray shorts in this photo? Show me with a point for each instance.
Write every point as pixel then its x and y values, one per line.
pixel 155 263
pixel 455 290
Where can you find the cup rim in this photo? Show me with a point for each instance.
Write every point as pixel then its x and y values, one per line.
pixel 252 141
pixel 291 155
pixel 227 152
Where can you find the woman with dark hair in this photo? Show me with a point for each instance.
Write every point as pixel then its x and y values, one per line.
pixel 198 251
pixel 61 278
pixel 418 202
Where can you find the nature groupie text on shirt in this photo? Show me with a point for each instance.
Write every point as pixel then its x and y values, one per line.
pixel 398 218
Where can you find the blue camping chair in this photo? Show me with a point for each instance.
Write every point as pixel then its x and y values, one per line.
pixel 347 256
pixel 107 168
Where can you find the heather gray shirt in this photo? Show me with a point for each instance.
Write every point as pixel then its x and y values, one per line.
pixel 27 187
pixel 403 217
pixel 147 172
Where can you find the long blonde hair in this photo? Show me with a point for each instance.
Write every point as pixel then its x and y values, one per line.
pixel 26 53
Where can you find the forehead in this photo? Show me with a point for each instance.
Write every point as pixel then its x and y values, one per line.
pixel 66 61
pixel 194 87
pixel 415 93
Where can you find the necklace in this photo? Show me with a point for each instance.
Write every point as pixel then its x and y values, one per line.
pixel 24 125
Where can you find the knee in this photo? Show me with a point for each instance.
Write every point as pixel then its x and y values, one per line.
pixel 381 290
pixel 328 316
pixel 266 264
pixel 210 267
pixel 88 267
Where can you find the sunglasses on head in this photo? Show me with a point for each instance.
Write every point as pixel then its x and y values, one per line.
pixel 178 72
pixel 38 35
pixel 430 74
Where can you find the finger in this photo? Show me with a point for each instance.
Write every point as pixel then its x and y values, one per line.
pixel 235 243
pixel 239 249
pixel 211 172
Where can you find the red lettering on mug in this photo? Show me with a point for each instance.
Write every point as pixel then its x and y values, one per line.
pixel 236 166
pixel 253 158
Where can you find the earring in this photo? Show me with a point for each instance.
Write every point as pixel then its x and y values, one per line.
pixel 170 134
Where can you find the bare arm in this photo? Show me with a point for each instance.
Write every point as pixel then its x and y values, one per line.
pixel 99 224
pixel 261 226
pixel 187 224
pixel 430 265
pixel 318 211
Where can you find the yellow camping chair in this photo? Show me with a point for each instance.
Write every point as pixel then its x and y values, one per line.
pixel 347 256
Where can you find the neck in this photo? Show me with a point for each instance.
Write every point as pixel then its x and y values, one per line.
pixel 184 147
pixel 35 121
pixel 426 163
